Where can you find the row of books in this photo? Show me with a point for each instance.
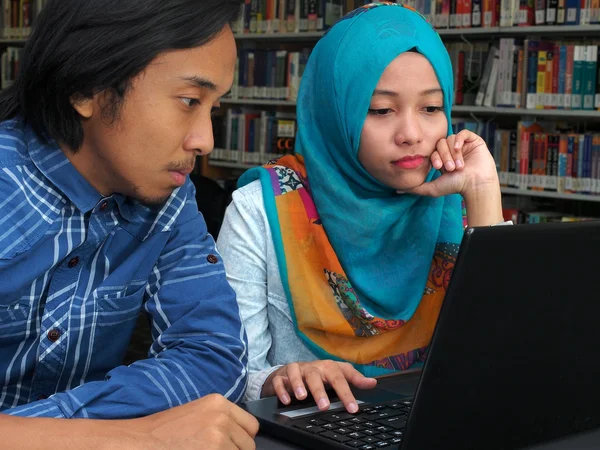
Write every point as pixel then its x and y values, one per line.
pixel 530 73
pixel 545 157
pixel 536 74
pixel 9 65
pixel 269 74
pixel 507 13
pixel 277 16
pixel 519 216
pixel 17 17
pixel 254 137
pixel 292 16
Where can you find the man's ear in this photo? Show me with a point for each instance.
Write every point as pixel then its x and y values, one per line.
pixel 84 106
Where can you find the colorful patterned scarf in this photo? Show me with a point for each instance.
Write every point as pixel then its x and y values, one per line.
pixel 355 257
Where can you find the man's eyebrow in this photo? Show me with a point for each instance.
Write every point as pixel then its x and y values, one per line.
pixel 200 82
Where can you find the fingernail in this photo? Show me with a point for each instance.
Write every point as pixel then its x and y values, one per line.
pixel 323 403
pixel 300 392
pixel 449 165
pixel 459 163
pixel 457 145
pixel 285 399
pixel 437 164
pixel 352 407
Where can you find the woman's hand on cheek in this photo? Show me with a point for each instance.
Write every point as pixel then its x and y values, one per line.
pixel 466 165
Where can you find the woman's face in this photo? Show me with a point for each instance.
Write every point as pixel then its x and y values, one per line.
pixel 404 123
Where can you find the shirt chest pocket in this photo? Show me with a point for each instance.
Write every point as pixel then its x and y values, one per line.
pixel 14 323
pixel 119 305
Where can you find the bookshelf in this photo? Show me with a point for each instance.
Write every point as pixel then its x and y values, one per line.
pixel 500 114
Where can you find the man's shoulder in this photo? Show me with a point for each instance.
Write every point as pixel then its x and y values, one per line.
pixel 13 146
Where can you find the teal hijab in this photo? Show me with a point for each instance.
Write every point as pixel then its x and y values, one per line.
pixel 384 241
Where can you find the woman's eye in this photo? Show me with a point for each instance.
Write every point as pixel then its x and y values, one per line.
pixel 433 109
pixel 379 112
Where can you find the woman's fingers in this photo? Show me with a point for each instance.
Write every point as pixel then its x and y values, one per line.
pixel 296 379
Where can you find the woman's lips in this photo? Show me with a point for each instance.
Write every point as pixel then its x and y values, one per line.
pixel 409 162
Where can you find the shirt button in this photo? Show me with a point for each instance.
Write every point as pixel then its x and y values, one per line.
pixel 42 397
pixel 103 205
pixel 53 335
pixel 212 259
pixel 73 262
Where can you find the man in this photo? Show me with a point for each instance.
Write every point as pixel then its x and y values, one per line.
pixel 98 220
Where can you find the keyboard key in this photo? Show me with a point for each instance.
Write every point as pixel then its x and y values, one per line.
pixel 398 406
pixel 368 447
pixel 383 444
pixel 357 420
pixel 317 422
pixel 329 426
pixel 371 424
pixel 335 436
pixel 396 433
pixel 357 427
pixel 396 422
pixel 370 432
pixel 344 423
pixel 341 416
pixel 355 435
pixel 370 439
pixel 383 429
pixel 354 444
pixel 343 431
pixel 396 440
pixel 312 429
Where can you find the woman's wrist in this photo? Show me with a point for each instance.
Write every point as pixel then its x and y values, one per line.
pixel 483 201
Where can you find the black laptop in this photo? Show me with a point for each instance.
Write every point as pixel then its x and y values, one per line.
pixel 514 359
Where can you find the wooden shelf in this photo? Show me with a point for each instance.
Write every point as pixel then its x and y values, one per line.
pixel 504 111
pixel 229 165
pixel 458 109
pixel 504 190
pixel 16 41
pixel 491 32
pixel 555 195
pixel 245 101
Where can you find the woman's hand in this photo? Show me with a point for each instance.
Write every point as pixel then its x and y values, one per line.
pixel 296 377
pixel 466 165
pixel 468 168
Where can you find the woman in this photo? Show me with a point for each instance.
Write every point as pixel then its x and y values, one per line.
pixel 341 254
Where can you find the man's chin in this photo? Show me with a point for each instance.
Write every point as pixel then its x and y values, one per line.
pixel 153 201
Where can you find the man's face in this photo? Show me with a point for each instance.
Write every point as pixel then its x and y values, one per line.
pixel 163 123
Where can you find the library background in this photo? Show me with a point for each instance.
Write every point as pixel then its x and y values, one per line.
pixel 526 79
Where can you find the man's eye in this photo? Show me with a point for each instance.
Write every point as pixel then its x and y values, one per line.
pixel 190 101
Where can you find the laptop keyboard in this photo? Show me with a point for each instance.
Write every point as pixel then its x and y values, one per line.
pixel 373 427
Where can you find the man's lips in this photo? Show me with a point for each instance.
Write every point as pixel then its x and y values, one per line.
pixel 180 175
